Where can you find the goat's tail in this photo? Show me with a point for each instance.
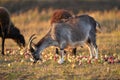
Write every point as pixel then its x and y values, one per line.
pixel 98 27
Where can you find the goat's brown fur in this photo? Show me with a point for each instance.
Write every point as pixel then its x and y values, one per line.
pixel 60 14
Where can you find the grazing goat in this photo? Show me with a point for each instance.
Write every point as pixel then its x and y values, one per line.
pixel 8 30
pixel 58 16
pixel 73 32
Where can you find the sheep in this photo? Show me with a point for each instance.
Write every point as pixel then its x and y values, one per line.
pixel 57 16
pixel 73 32
pixel 9 30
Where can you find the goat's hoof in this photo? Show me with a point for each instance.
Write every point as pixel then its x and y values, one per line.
pixel 96 58
pixel 61 61
pixel 91 57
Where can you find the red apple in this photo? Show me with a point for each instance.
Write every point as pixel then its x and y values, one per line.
pixel 56 57
pixel 89 61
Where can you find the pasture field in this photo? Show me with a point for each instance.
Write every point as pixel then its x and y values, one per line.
pixel 17 66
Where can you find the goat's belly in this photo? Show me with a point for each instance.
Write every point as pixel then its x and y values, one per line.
pixel 76 44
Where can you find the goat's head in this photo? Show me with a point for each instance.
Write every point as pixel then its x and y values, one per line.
pixel 33 49
pixel 16 35
pixel 20 41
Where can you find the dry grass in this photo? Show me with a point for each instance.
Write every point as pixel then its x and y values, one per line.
pixel 37 22
pixel 17 67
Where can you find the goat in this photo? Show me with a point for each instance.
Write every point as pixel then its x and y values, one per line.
pixel 58 16
pixel 72 33
pixel 8 29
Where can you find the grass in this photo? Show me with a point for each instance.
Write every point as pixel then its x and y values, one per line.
pixel 16 67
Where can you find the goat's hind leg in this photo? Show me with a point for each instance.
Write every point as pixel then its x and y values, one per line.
pixel 95 50
pixel 91 48
pixel 57 51
pixel 74 51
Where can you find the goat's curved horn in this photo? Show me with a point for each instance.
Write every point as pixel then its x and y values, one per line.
pixel 32 37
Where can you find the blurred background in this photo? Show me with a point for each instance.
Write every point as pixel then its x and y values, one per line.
pixel 33 16
pixel 17 6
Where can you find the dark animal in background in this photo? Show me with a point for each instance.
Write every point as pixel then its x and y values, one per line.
pixel 58 16
pixel 9 30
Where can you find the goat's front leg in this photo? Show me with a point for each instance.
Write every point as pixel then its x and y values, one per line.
pixel 3 41
pixel 91 50
pixel 62 56
pixel 96 51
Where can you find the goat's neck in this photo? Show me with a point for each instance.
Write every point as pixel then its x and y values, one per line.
pixel 46 42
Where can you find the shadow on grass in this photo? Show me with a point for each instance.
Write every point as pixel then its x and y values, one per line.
pixel 6 59
pixel 3 76
pixel 54 77
pixel 23 77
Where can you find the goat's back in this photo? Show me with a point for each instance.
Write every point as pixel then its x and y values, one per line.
pixel 72 31
pixel 60 14
pixel 4 16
